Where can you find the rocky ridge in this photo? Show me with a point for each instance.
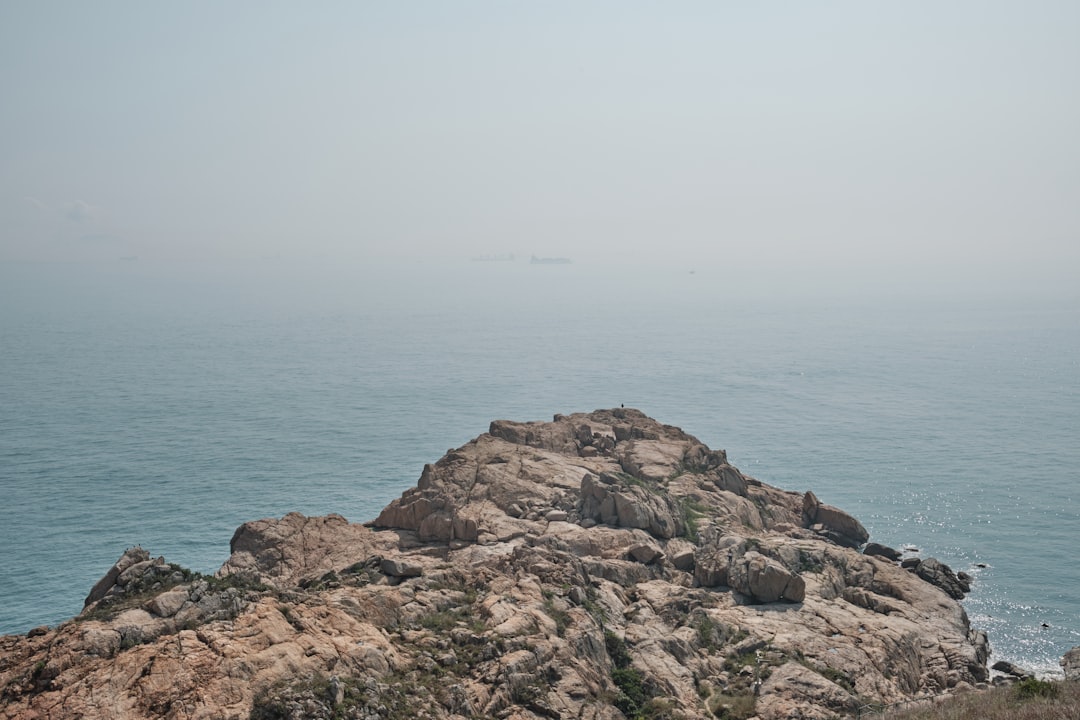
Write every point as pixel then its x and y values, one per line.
pixel 601 565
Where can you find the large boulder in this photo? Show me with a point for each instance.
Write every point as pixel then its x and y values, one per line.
pixel 882 551
pixel 765 580
pixel 832 522
pixel 1070 663
pixel 712 560
pixel 282 552
pixel 938 573
pixel 616 500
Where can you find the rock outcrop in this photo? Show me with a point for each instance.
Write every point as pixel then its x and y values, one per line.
pixel 1070 664
pixel 601 565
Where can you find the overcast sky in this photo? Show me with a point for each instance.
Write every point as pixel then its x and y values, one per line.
pixel 855 137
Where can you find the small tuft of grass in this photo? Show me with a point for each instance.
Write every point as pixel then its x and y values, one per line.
pixel 692 511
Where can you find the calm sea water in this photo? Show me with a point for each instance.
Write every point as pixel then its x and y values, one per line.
pixel 165 406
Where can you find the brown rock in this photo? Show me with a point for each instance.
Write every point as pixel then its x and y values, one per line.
pixel 796 691
pixel 516 603
pixel 882 551
pixel 765 580
pixel 837 525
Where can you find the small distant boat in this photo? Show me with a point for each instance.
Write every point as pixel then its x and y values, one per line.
pixel 549 260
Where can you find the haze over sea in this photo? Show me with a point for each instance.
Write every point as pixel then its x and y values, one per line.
pixel 163 406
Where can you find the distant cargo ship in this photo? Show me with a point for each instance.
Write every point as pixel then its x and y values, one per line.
pixel 549 261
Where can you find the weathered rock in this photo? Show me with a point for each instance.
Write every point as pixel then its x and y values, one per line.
pixel 712 561
pixel 613 501
pixel 524 570
pixel 645 553
pixel 681 554
pixel 167 604
pixel 795 691
pixel 1070 664
pixel 765 580
pixel 130 557
pixel 1004 666
pixel 837 525
pixel 282 552
pixel 401 568
pixel 882 551
pixel 938 573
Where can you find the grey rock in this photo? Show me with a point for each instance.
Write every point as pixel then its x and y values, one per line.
pixel 645 553
pixel 938 573
pixel 684 560
pixel 1009 668
pixel 167 604
pixel 105 584
pixel 400 568
pixel 1070 663
pixel 880 550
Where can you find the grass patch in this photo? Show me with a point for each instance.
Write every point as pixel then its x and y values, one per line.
pixel 1039 700
pixel 1029 688
pixel 634 698
pixel 628 479
pixel 692 511
pixel 809 563
pixel 731 706
pixel 713 635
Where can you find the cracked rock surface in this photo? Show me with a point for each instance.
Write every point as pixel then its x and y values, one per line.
pixel 601 565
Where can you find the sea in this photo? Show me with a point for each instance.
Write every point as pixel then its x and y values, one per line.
pixel 164 404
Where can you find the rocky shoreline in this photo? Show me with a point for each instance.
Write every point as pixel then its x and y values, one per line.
pixel 601 565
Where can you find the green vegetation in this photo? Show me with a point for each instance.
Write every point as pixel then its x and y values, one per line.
pixel 616 648
pixel 561 617
pixel 157 579
pixel 692 511
pixel 239 581
pixel 1029 688
pixel 333 699
pixel 639 482
pixel 447 619
pixel 809 563
pixel 635 699
pixel 632 694
pixel 713 635
pixel 836 676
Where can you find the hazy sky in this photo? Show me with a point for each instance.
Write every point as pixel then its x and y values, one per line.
pixel 851 137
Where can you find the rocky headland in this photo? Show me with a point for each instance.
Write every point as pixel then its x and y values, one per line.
pixel 601 565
